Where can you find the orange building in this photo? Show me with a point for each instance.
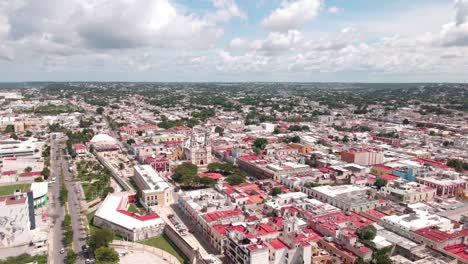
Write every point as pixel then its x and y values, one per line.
pixel 301 148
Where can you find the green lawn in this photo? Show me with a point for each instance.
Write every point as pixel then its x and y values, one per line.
pixel 90 217
pixel 88 194
pixel 10 189
pixel 135 209
pixel 163 243
pixel 132 184
pixel 25 258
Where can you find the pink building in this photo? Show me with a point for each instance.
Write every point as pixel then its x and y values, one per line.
pixel 364 157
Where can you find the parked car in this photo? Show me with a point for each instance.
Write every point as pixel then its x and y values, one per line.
pixel 62 250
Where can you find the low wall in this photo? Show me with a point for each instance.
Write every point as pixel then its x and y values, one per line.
pixel 189 252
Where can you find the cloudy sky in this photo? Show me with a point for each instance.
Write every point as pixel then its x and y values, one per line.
pixel 234 40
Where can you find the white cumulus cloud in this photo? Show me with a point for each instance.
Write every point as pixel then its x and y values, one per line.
pixel 292 14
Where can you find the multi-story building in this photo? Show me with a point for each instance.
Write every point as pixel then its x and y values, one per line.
pixel 446 183
pixel 436 238
pixel 132 130
pixel 17 148
pixel 240 249
pixel 17 219
pixel 346 197
pixel 161 165
pixel 364 157
pixel 341 227
pixel 272 169
pixel 154 190
pixel 408 193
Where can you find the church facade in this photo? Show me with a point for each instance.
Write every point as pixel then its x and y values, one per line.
pixel 197 149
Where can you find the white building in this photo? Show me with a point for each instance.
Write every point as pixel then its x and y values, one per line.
pixel 154 189
pixel 345 197
pixel 17 148
pixel 113 214
pixel 404 224
pixel 16 219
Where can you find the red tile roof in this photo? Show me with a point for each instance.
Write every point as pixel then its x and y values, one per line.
pixel 375 214
pixel 79 147
pixel 30 174
pixel 248 157
pixel 389 177
pixel 213 216
pixel 8 172
pixel 11 199
pixel 139 217
pixel 277 244
pixel 460 250
pixel 211 175
pixel 335 221
pixel 440 236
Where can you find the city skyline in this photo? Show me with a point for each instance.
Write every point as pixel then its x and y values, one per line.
pixel 230 41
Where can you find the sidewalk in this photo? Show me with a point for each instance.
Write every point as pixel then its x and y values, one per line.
pixel 140 254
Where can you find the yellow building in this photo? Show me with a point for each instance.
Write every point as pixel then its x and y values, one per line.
pixel 461 194
pixel 301 148
pixel 380 170
pixel 153 189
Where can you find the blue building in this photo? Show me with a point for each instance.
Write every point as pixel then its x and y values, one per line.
pixel 405 173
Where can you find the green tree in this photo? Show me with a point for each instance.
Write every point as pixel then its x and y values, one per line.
pixel 260 143
pixel 46 173
pixel 106 191
pixel 100 110
pixel 366 232
pixel 27 169
pixel 9 129
pixel 38 179
pixel 406 121
pixel 28 133
pixel 205 181
pixel 106 255
pixel 14 136
pixel 215 167
pixel 457 164
pixel 100 238
pixel 130 141
pixel 71 256
pixel 219 130
pixel 296 139
pixel 313 160
pixel 380 182
pixel 185 173
pixel 345 139
pixel 236 179
pixel 359 260
pixel 381 256
pixel 275 191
